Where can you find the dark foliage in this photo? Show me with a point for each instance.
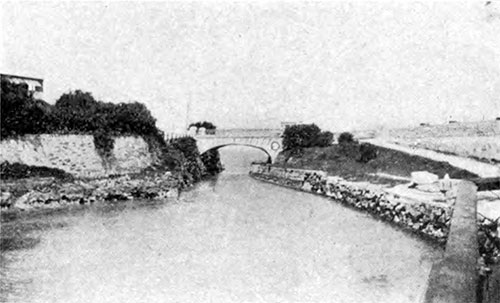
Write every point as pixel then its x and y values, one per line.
pixel 324 139
pixel 189 149
pixel 104 143
pixel 19 171
pixel 300 136
pixel 345 138
pixel 344 161
pixel 211 160
pixel 21 113
pixel 74 112
pixel 367 152
pixel 349 149
pixel 79 113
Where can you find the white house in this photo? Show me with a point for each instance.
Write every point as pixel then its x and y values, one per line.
pixel 35 85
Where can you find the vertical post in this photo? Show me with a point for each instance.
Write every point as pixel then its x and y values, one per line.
pixel 188 108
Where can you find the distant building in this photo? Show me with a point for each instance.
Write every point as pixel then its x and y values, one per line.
pixel 35 85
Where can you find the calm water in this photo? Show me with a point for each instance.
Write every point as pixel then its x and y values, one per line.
pixel 230 239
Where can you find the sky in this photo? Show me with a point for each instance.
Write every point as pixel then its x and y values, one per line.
pixel 341 65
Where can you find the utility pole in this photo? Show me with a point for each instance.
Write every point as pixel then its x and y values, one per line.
pixel 188 108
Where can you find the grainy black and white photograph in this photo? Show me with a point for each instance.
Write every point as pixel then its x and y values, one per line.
pixel 250 151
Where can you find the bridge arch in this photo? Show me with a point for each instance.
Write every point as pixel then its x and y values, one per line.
pixel 269 157
pixel 269 142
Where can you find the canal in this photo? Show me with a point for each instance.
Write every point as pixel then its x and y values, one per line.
pixel 229 239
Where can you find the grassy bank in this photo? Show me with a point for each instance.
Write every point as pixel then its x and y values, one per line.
pixel 344 161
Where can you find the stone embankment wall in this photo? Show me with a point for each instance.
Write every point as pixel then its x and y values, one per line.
pixel 427 218
pixel 76 154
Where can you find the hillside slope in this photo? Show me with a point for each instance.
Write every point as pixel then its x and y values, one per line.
pixel 343 160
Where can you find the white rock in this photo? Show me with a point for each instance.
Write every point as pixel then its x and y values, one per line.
pixel 333 179
pixel 5 196
pixel 307 186
pixel 423 177
pixel 22 202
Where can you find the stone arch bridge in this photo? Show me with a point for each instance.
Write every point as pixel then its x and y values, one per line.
pixel 267 140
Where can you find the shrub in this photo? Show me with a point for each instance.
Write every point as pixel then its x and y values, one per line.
pixel 78 112
pixel 211 160
pixel 74 112
pixel 345 137
pixel 367 152
pixel 324 139
pixel 300 136
pixel 21 113
pixel 187 146
pixel 104 143
pixel 18 170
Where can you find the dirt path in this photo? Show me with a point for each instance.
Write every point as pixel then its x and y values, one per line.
pixel 483 170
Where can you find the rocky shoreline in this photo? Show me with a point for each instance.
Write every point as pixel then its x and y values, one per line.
pixel 177 166
pixel 44 193
pixel 429 220
pixel 489 246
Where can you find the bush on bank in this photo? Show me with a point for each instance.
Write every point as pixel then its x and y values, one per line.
pixel 345 138
pixel 211 160
pixel 73 112
pixel 192 162
pixel 367 152
pixel 76 112
pixel 300 136
pixel 21 113
pixel 20 171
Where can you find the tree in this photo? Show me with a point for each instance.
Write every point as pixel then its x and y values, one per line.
pixel 21 113
pixel 345 138
pixel 367 152
pixel 76 111
pixel 300 136
pixel 189 149
pixel 324 139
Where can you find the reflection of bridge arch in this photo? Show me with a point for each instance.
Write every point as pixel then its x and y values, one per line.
pixel 268 141
pixel 269 157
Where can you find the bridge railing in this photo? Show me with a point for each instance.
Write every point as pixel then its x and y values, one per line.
pixel 242 133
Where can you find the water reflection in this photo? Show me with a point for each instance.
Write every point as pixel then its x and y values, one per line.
pixel 237 159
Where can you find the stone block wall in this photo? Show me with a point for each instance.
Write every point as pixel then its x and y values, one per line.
pixel 131 154
pixel 76 154
pixel 429 219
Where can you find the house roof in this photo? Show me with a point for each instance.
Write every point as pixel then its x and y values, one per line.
pixel 21 77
